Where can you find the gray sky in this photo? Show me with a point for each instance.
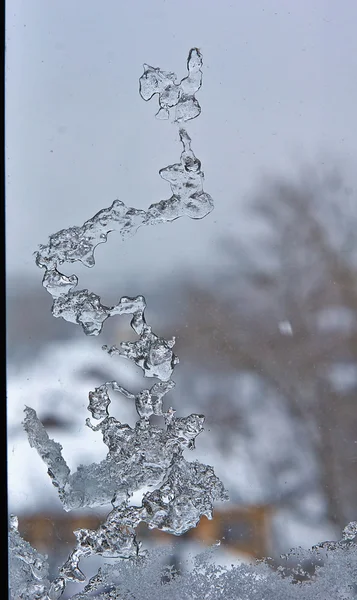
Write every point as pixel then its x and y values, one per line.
pixel 279 88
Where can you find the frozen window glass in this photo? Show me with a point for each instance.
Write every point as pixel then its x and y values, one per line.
pixel 180 178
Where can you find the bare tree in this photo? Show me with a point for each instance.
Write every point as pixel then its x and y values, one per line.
pixel 300 270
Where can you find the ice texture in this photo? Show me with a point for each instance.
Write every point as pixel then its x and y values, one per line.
pixel 180 95
pixel 317 574
pixel 187 493
pixel 145 456
pixel 350 531
pixel 28 569
pixel 152 353
pixel 326 572
pixel 78 244
pixel 49 450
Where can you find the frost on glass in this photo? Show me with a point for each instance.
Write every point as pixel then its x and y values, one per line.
pixel 180 95
pixel 28 569
pixel 78 244
pixel 149 456
pixel 326 572
pixel 145 456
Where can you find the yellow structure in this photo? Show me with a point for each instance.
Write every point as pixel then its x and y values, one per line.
pixel 245 530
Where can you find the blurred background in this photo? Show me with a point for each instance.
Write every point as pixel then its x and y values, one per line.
pixel 261 294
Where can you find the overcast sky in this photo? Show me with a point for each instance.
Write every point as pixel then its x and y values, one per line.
pixel 279 88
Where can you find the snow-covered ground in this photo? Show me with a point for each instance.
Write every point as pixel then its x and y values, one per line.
pixel 265 461
pixel 56 385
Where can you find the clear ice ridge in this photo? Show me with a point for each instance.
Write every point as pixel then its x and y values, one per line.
pixel 173 94
pixel 141 577
pixel 146 456
pixel 78 243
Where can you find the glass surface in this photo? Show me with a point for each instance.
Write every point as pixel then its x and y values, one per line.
pixel 260 293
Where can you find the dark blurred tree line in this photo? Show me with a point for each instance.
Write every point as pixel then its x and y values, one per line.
pixel 266 313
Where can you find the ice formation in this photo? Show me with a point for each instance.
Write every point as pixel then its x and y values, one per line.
pixel 78 244
pixel 172 94
pixel 145 456
pixel 327 572
pixel 28 569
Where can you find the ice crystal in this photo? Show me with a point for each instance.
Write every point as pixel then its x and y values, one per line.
pixel 152 353
pixel 317 575
pixel 146 456
pixel 323 573
pixel 350 531
pixel 50 450
pixel 78 244
pixel 28 568
pixel 187 493
pixel 172 94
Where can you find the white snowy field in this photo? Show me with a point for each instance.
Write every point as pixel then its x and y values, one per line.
pixel 263 465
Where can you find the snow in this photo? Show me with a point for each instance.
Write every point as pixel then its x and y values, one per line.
pixel 336 319
pixel 56 384
pixel 342 376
